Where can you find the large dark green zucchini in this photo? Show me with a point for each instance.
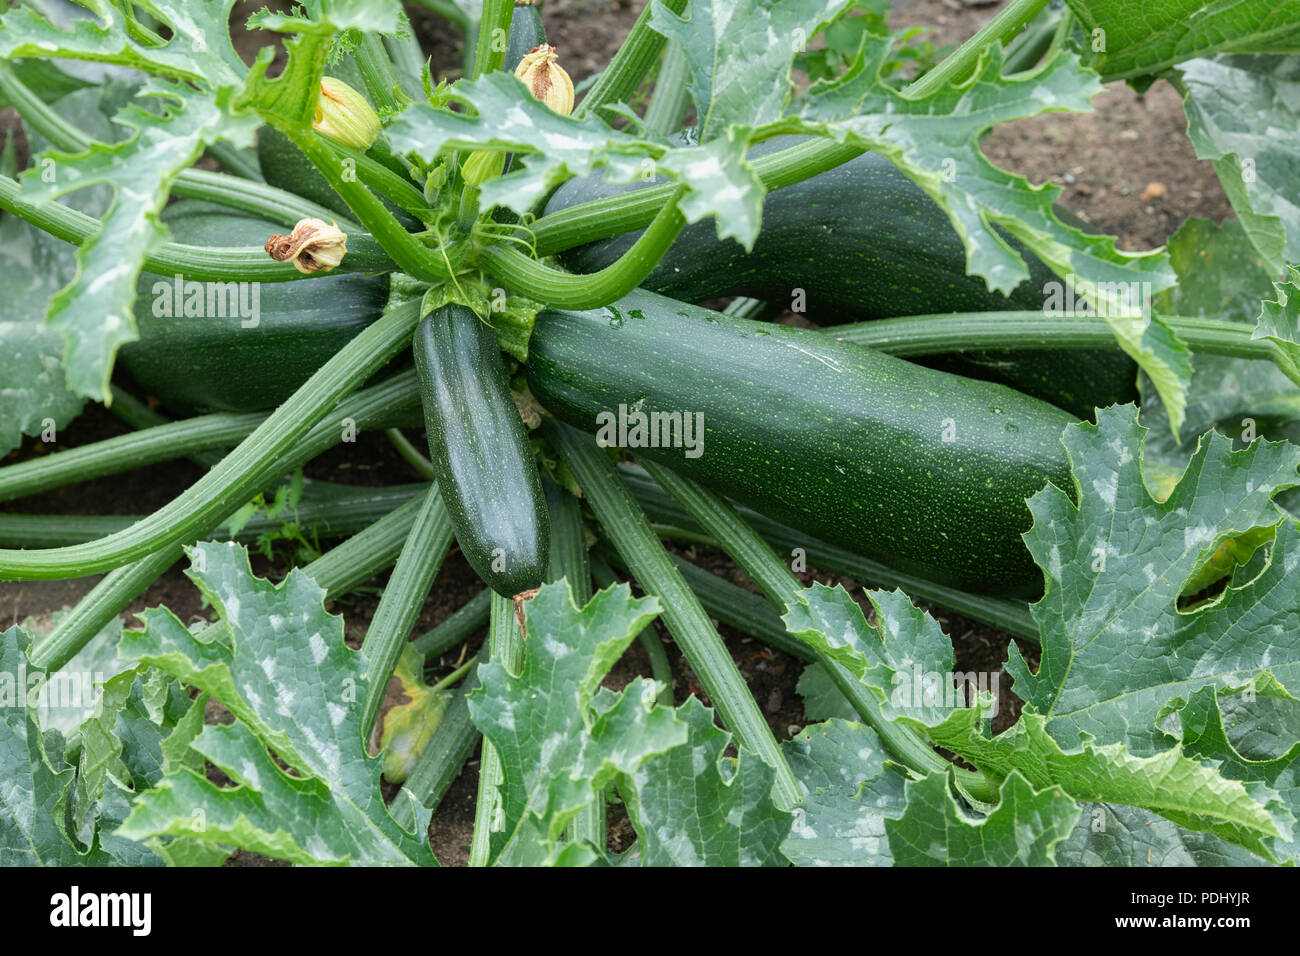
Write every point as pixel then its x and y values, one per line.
pixel 918 468
pixel 863 242
pixel 526 32
pixel 480 451
pixel 211 362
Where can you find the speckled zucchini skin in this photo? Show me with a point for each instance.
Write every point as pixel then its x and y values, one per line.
pixel 480 451
pixel 863 242
pixel 841 441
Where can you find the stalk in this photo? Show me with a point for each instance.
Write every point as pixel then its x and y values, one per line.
pixel 1006 614
pixel 496 16
pixel 782 589
pixel 381 179
pixel 239 474
pixel 671 100
pixel 629 66
pixel 506 645
pixel 626 526
pixel 457 629
pixel 567 291
pixel 338 571
pixel 409 585
pixel 333 517
pixel 624 212
pixel 139 449
pixel 201 263
pixel 1009 21
pixel 378 74
pixel 235 162
pixel 410 254
pixel 136 414
pixel 412 455
pixel 569 561
pixel 1012 331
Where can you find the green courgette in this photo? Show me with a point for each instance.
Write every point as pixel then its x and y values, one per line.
pixel 923 470
pixel 862 241
pixel 480 451
pixel 199 349
pixel 526 32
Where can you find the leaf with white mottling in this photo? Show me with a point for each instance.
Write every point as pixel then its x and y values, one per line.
pixel 1115 646
pixel 295 688
pixel 1242 113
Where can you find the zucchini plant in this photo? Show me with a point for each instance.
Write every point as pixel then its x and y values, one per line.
pixel 984 407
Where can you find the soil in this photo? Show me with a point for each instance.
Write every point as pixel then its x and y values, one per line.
pixel 1127 168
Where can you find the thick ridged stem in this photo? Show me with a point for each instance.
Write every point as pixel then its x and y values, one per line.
pixel 629 66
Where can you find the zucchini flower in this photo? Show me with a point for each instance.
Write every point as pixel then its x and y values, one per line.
pixel 343 114
pixel 313 246
pixel 541 72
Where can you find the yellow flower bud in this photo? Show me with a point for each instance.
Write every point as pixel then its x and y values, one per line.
pixel 541 72
pixel 313 246
pixel 343 114
pixel 482 165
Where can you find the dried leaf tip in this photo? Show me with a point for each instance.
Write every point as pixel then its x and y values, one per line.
pixel 541 72
pixel 344 115
pixel 313 246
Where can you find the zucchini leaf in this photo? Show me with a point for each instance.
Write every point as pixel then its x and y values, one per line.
pixel 861 810
pixel 1115 644
pixel 37 783
pixel 1242 114
pixel 935 139
pixel 559 740
pixel 739 54
pixel 294 687
pixel 1130 39
pixel 691 806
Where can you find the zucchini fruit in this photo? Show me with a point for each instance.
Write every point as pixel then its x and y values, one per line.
pixel 210 361
pixel 480 451
pixel 922 470
pixel 863 242
pixel 526 32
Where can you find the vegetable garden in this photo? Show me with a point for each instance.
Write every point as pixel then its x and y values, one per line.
pixel 753 290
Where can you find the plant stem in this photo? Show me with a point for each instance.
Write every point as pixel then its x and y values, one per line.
pixel 660 667
pixel 626 526
pixel 380 78
pixel 569 562
pixel 234 162
pixel 410 254
pixel 628 67
pixel 136 414
pixel 1027 49
pixel 779 585
pixel 566 291
pixel 671 99
pixel 126 452
pixel 412 455
pixel 458 628
pixel 409 585
pixel 623 212
pixel 380 178
pixel 1012 331
pixel 229 264
pixel 239 474
pixel 506 645
pixel 1009 21
pixel 338 571
pixel 495 17
pixel 1005 614
pixel 334 517
pixel 408 61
